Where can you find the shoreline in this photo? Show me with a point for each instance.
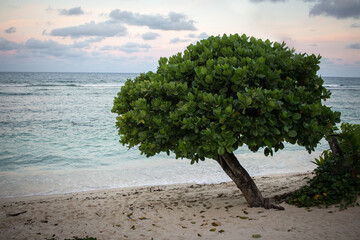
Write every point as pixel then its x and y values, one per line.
pixel 130 188
pixel 177 211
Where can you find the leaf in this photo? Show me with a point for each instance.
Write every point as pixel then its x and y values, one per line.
pixel 208 79
pixel 190 96
pixel 221 151
pixel 292 133
pixel 256 236
pixel 214 224
pixel 221 231
pixel 296 116
pixel 228 109
pixel 248 101
pixel 213 230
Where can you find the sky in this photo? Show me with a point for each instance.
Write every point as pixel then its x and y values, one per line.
pixel 131 35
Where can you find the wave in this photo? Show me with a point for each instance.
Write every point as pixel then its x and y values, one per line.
pixel 15 94
pixel 333 85
pixel 53 85
pixel 341 86
pixel 94 85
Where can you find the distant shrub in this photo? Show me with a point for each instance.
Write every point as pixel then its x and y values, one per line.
pixel 337 176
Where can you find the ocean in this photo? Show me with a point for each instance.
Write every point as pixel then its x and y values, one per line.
pixel 58 135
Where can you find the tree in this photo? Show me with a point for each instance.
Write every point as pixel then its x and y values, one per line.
pixel 223 93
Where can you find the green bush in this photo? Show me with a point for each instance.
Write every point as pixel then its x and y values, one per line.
pixel 336 178
pixel 223 93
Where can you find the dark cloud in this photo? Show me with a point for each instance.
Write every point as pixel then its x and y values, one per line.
pixel 130 47
pixel 355 25
pixel 336 8
pixel 6 45
pixel 71 11
pixel 354 46
pixel 150 36
pixel 173 21
pixel 102 29
pixel 10 30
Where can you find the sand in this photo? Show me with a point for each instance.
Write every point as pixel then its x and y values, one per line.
pixel 211 211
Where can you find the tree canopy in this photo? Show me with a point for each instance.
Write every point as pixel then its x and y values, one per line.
pixel 222 93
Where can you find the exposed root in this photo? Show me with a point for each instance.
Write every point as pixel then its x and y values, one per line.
pixel 271 203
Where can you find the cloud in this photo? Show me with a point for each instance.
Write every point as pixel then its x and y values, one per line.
pixel 87 43
pixel 179 40
pixel 134 47
pixel 336 8
pixel 257 1
pixel 102 29
pixel 150 36
pixel 353 46
pixel 6 45
pixel 129 47
pixel 10 30
pixel 202 35
pixel 51 48
pixel 355 25
pixel 173 21
pixel 71 11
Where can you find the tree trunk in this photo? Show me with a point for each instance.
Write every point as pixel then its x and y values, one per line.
pixel 334 146
pixel 244 182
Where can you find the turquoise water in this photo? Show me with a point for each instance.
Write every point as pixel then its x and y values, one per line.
pixel 57 135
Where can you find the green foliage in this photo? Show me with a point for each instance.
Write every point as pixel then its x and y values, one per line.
pixel 337 178
pixel 223 93
pixel 349 140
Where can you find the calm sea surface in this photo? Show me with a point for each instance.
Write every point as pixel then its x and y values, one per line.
pixel 58 135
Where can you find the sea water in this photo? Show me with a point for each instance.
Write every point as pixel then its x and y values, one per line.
pixel 58 135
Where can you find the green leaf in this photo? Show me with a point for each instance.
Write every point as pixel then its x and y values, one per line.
pixel 248 101
pixel 228 109
pixel 221 151
pixel 292 133
pixel 190 96
pixel 296 116
pixel 208 79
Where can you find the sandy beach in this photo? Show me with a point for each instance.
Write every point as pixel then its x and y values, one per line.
pixel 211 211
